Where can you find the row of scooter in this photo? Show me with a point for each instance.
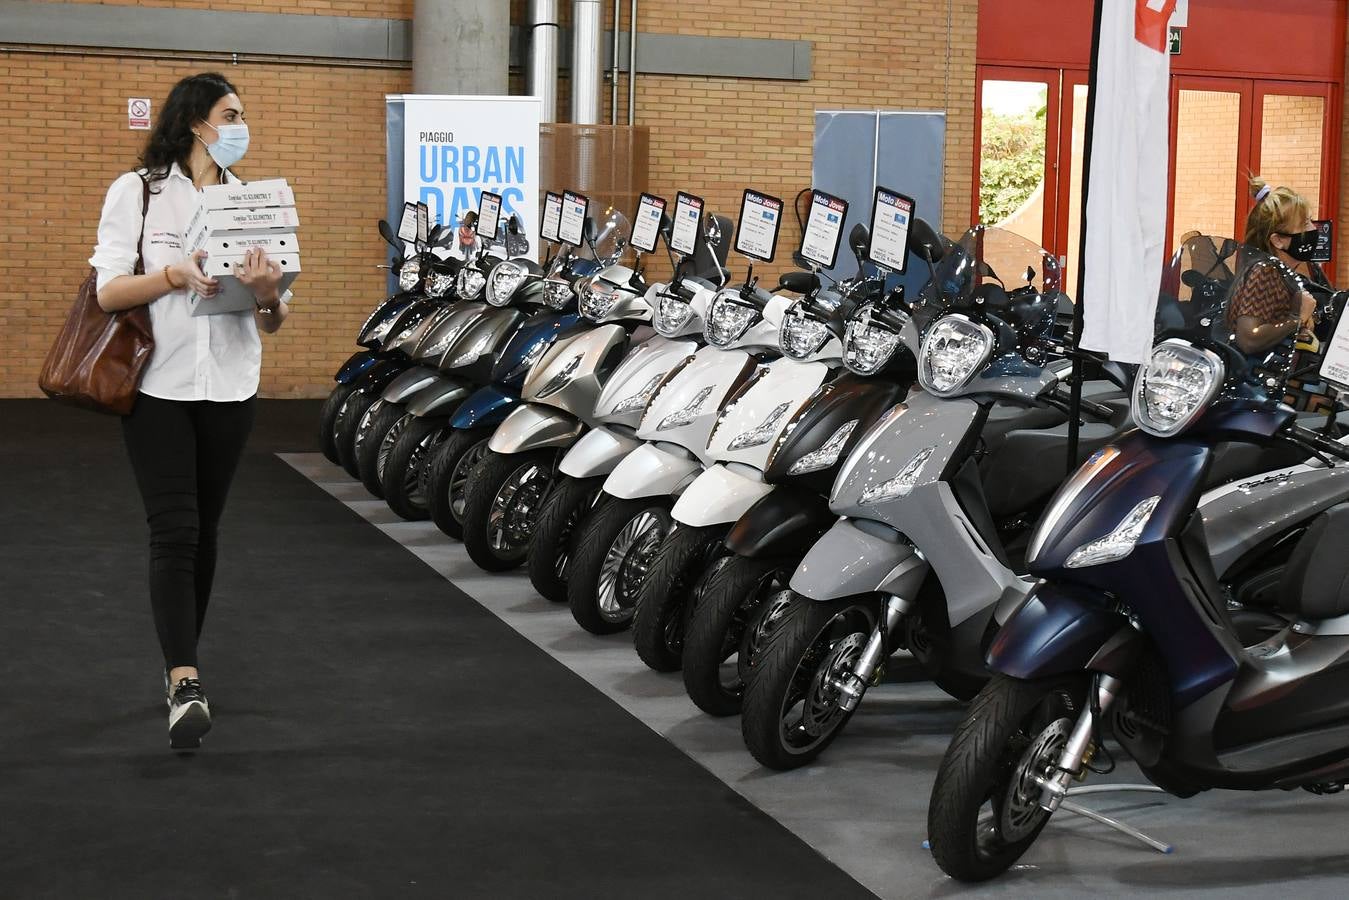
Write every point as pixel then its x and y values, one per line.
pixel 777 492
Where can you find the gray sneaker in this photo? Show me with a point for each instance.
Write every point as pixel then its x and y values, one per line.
pixel 189 715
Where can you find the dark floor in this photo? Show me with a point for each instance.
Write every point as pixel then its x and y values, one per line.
pixel 377 733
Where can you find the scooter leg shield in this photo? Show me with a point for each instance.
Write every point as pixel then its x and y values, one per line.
pixel 1059 631
pixel 848 561
pixel 355 366
pixel 440 398
pixel 597 453
pixel 651 471
pixel 719 496
pixel 784 523
pixel 534 427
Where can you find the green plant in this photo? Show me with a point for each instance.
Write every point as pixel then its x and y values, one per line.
pixel 1011 163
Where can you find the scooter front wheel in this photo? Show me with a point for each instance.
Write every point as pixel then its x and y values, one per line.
pixel 614 549
pixel 716 656
pixel 404 479
pixel 373 442
pixel 666 598
pixel 348 426
pixel 793 706
pixel 501 505
pixel 447 477
pixel 984 812
pixel 553 544
pixel 329 415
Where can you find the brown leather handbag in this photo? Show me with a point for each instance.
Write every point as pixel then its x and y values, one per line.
pixel 98 357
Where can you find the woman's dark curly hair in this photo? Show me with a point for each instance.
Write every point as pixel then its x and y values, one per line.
pixel 188 103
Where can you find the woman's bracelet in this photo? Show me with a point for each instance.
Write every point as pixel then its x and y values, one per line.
pixel 169 279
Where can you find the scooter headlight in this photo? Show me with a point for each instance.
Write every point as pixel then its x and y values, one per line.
pixel 672 314
pixel 827 454
pixel 438 285
pixel 640 399
pixel 504 281
pixel 728 319
pixel 557 294
pixel 409 273
pixel 867 345
pixel 801 337
pixel 1175 387
pixel 1118 543
pixel 685 416
pixel 953 351
pixel 471 282
pixel 902 484
pixel 597 297
pixel 763 432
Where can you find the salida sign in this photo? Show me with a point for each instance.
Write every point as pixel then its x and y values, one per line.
pixel 454 148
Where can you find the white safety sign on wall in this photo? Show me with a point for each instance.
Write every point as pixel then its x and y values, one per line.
pixel 138 113
pixel 454 148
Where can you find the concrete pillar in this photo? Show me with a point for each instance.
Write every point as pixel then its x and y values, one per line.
pixel 460 47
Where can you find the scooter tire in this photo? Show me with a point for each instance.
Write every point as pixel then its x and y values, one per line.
pixel 595 536
pixel 772 683
pixel 348 423
pixel 489 478
pixel 552 547
pixel 974 767
pixel 452 453
pixel 727 605
pixel 377 442
pixel 328 420
pixel 406 468
pixel 664 601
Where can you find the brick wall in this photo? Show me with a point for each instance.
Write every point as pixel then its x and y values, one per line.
pixel 1207 125
pixel 64 131
pixel 1290 144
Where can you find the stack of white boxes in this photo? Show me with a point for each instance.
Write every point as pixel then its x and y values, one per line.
pixel 232 219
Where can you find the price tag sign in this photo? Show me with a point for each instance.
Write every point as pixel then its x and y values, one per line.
pixel 760 222
pixel 646 225
pixel 1325 240
pixel 571 226
pixel 891 214
pixel 824 229
pixel 688 215
pixel 1335 361
pixel 423 222
pixel 552 217
pixel 489 215
pixel 407 226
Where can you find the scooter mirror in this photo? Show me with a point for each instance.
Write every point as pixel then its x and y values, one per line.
pixel 859 239
pixel 386 232
pixel 712 230
pixel 800 260
pixel 925 242
pixel 798 282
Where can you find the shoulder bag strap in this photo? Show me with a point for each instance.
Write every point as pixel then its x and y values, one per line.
pixel 145 209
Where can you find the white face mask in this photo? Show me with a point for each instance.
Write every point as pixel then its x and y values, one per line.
pixel 230 146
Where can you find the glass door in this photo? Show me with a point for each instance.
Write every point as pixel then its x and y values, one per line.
pixel 1072 139
pixel 1016 131
pixel 1210 156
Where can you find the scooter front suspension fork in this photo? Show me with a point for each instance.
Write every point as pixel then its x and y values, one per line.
pixel 853 684
pixel 1054 786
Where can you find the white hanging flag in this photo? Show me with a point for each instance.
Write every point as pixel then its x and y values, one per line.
pixel 1126 197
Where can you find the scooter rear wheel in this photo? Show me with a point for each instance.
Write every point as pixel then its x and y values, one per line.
pixel 984 812
pixel 553 544
pixel 791 710
pixel 719 630
pixel 328 420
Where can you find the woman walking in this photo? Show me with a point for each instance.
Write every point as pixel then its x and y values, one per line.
pixel 195 407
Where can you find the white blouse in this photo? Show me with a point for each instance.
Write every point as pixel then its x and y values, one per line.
pixel 217 357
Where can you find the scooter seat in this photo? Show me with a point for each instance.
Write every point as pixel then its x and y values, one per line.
pixel 1316 579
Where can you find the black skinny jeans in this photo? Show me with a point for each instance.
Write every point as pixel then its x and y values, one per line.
pixel 184 453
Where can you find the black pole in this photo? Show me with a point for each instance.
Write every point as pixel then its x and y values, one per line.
pixel 1075 402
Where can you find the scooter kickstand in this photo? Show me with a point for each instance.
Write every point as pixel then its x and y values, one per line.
pixel 1116 824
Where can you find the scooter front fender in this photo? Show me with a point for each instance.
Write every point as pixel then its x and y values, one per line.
pixel 652 470
pixel 486 408
pixel 409 383
pixel 533 426
pixel 597 452
pixel 1058 631
pixel 720 496
pixel 853 559
pixel 438 399
pixel 355 366
pixel 783 523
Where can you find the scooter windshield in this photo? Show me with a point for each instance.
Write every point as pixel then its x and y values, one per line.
pixel 1236 301
pixel 612 234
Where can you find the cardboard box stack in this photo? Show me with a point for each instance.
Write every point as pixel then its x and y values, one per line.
pixel 232 219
